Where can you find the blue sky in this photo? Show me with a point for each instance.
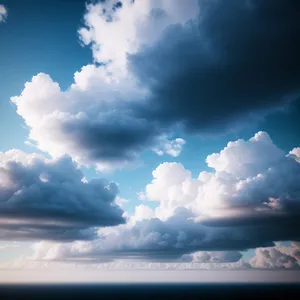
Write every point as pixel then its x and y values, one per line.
pixel 147 107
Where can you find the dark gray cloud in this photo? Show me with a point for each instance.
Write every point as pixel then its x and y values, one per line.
pixel 47 199
pixel 157 240
pixel 37 230
pixel 115 139
pixel 236 61
pixel 178 236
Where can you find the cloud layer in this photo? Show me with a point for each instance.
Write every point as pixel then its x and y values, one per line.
pixel 48 199
pixel 250 200
pixel 162 67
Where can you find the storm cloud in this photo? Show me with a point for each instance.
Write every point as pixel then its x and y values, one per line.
pixel 229 65
pixel 48 199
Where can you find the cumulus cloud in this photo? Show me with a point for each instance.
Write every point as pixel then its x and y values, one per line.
pixel 86 125
pixel 213 257
pixel 250 200
pixel 173 147
pixel 293 250
pixel 94 121
pixel 94 127
pixel 160 67
pixel 48 199
pixel 142 212
pixel 3 13
pixel 115 28
pixel 244 177
pixel 296 153
pixel 278 257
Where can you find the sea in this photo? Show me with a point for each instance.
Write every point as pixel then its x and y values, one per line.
pixel 150 291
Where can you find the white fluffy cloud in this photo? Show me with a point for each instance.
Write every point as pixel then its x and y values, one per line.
pixel 82 122
pixel 296 153
pixel 48 199
pixel 247 174
pixel 94 121
pixel 250 200
pixel 133 24
pixel 278 257
pixel 142 212
pixel 3 13
pixel 121 201
pixel 213 257
pixel 293 250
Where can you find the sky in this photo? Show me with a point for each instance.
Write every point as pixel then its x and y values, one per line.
pixel 149 134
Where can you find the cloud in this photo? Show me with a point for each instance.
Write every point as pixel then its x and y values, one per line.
pixel 244 177
pixel 251 199
pixel 3 13
pixel 142 212
pixel 211 79
pixel 173 147
pixel 296 154
pixel 47 199
pixel 160 68
pixel 94 121
pixel 93 126
pixel 121 201
pixel 278 257
pixel 112 33
pixel 213 257
pixel 141 196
